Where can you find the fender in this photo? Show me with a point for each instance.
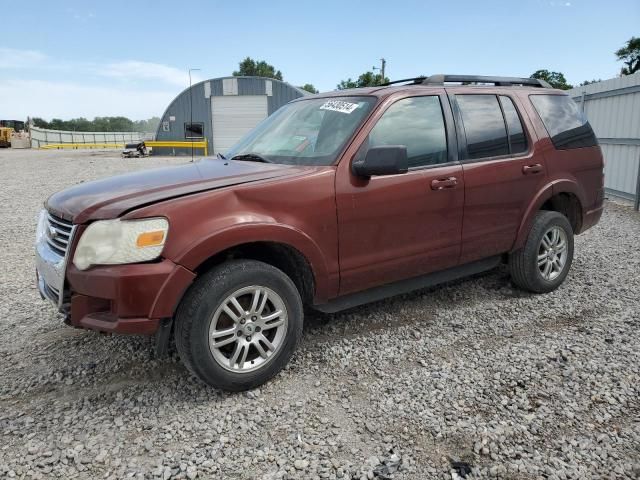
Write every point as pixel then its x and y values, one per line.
pixel 571 186
pixel 553 188
pixel 527 219
pixel 233 236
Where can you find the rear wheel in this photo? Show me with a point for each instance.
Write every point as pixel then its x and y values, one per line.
pixel 239 324
pixel 544 261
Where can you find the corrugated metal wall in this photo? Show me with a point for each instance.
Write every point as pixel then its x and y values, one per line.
pixel 178 112
pixel 613 109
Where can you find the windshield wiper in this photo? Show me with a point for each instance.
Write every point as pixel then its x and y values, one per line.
pixel 220 156
pixel 251 157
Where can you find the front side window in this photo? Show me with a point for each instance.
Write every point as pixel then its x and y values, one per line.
pixel 565 123
pixel 483 126
pixel 194 130
pixel 418 124
pixel 306 132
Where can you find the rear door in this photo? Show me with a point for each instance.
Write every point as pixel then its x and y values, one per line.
pixel 400 226
pixel 501 172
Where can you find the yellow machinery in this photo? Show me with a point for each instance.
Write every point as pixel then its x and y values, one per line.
pixel 5 136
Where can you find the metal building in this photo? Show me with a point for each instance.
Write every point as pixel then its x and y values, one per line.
pixel 613 109
pixel 224 109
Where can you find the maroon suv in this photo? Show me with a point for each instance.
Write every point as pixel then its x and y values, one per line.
pixel 335 200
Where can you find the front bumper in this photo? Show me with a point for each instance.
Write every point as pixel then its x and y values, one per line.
pixel 128 299
pixel 50 276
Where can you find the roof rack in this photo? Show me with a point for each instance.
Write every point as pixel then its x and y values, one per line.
pixel 414 80
pixel 440 80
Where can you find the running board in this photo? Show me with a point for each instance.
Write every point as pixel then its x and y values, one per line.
pixel 409 285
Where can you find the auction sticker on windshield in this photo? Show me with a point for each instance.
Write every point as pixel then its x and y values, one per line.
pixel 339 106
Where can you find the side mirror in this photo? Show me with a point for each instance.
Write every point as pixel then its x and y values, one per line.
pixel 383 160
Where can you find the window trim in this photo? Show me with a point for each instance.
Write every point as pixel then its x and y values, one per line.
pixel 193 123
pixel 462 136
pixel 524 128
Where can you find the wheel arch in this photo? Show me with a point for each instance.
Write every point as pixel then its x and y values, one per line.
pixel 284 247
pixel 563 197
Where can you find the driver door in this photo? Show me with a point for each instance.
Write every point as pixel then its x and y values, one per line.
pixel 400 226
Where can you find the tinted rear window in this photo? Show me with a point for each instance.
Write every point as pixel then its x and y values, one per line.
pixel 565 123
pixel 483 126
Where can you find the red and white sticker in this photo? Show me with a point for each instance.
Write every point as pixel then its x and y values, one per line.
pixel 339 106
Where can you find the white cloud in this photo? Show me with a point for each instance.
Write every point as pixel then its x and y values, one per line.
pixel 34 84
pixel 80 16
pixel 131 70
pixel 48 99
pixel 14 58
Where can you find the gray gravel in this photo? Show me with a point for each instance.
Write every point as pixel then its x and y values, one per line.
pixel 474 378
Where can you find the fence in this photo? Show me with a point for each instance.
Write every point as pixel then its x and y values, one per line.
pixel 613 109
pixel 40 137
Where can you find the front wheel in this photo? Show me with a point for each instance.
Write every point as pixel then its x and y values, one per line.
pixel 239 324
pixel 544 261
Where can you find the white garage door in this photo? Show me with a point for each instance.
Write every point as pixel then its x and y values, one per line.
pixel 233 116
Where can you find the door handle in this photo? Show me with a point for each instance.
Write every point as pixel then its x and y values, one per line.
pixel 535 168
pixel 441 183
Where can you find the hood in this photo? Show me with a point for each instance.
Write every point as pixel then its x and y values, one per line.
pixel 111 197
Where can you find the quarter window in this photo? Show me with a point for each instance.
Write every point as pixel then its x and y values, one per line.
pixel 567 126
pixel 483 126
pixel 418 124
pixel 517 138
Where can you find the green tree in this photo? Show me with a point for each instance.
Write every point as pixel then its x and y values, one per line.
pixel 367 79
pixel 99 124
pixel 149 125
pixel 555 79
pixel 630 55
pixel 309 88
pixel 251 68
pixel 39 122
pixel 589 82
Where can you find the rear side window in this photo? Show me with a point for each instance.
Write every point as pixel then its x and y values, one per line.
pixel 417 123
pixel 565 123
pixel 483 125
pixel 517 138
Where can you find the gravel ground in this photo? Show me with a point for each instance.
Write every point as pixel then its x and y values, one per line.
pixel 472 379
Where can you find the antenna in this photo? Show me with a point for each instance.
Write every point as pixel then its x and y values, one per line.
pixel 191 108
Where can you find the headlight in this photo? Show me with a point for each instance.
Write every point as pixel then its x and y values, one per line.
pixel 113 242
pixel 42 225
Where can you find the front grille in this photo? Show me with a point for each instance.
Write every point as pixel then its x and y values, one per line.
pixel 58 234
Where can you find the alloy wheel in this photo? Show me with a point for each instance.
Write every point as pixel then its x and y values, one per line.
pixel 552 253
pixel 248 329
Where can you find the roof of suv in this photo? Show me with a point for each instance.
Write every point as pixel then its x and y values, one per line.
pixel 440 81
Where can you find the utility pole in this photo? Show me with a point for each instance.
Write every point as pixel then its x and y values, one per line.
pixel 381 68
pixel 191 107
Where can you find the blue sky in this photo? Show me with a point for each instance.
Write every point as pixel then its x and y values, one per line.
pixel 86 58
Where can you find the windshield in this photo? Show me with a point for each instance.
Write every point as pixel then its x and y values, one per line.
pixel 305 132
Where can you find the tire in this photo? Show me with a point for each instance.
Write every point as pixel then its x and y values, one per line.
pixel 202 316
pixel 529 270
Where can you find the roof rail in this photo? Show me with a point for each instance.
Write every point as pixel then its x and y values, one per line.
pixel 415 80
pixel 440 79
